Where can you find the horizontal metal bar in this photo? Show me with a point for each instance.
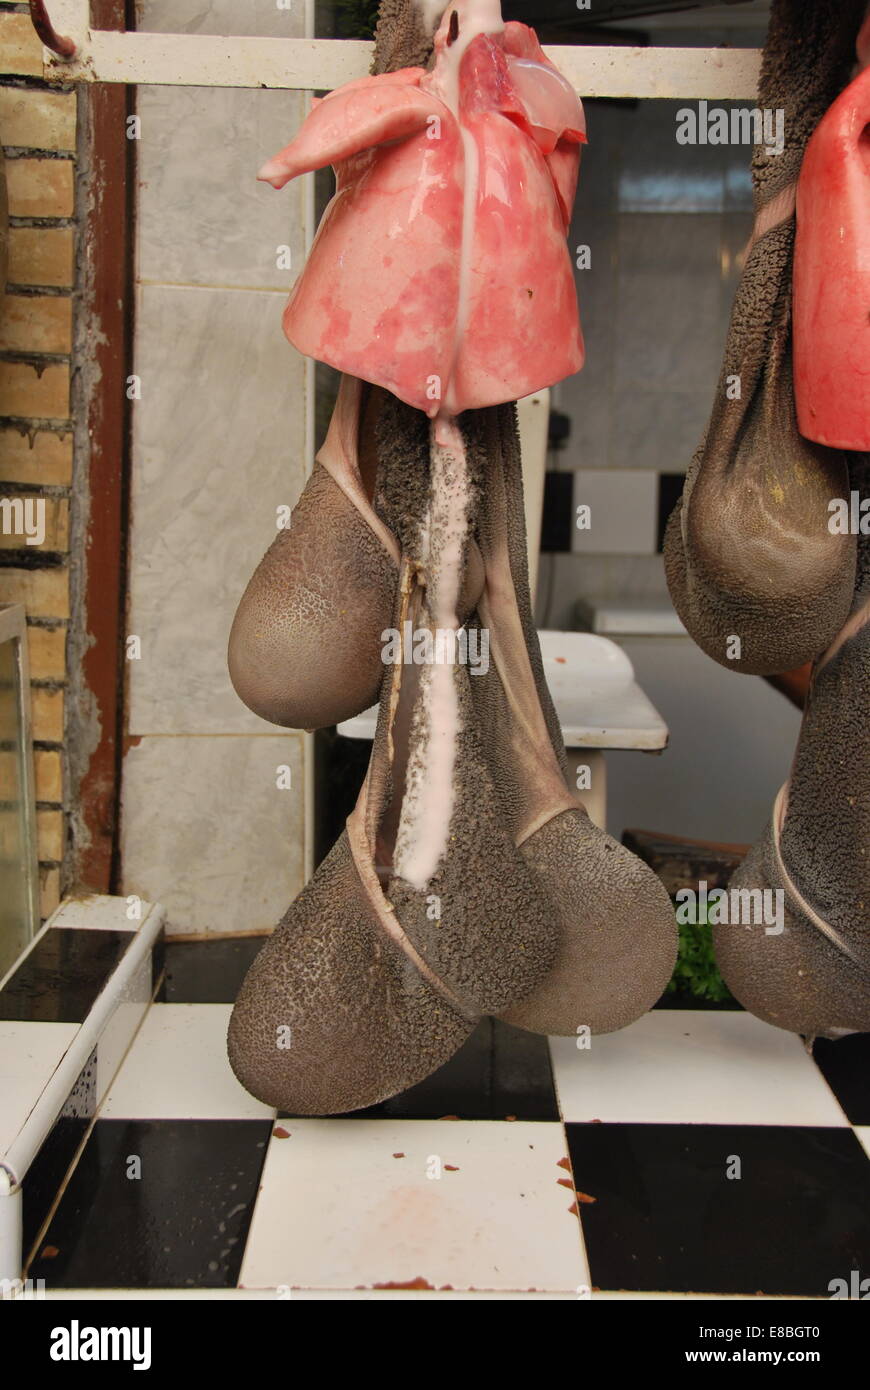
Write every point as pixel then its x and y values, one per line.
pixel 202 60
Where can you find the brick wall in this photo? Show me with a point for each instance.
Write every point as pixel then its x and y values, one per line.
pixel 38 134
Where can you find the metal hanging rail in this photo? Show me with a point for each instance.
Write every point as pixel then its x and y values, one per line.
pixel 72 51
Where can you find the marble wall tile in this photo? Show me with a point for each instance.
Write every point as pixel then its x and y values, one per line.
pixel 658 429
pixel 207 832
pixel 668 308
pixel 586 397
pixel 203 219
pixel 259 18
pixel 622 511
pixel 218 445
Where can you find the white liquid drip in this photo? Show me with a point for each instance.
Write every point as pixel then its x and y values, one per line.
pixel 449 518
pixel 430 793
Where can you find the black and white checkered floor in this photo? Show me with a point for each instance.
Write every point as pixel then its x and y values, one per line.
pixel 696 1152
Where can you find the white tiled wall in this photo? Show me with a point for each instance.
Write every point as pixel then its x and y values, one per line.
pixel 621 511
pixel 666 225
pixel 219 442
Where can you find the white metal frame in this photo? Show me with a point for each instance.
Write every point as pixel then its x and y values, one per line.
pixel 13 628
pixel 16 1157
pixel 201 60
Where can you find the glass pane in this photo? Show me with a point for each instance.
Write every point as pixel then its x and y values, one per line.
pixel 15 860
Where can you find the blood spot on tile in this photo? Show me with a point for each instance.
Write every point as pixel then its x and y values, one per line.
pixel 280 1133
pixel 418 1283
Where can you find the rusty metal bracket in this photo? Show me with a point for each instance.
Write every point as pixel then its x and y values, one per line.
pixel 58 43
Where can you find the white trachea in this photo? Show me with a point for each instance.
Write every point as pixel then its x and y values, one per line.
pixel 424 828
pixel 475 17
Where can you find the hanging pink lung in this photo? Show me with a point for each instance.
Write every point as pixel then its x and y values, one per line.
pixel 441 270
pixel 832 273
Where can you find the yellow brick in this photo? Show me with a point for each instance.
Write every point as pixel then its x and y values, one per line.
pixel 8 776
pixel 41 256
pixel 20 49
pixel 25 390
pixel 49 891
pixel 47 715
pixel 48 460
pixel 35 323
pixel 16 521
pixel 44 593
pixel 49 775
pixel 49 834
pixel 40 187
pixel 46 651
pixel 38 120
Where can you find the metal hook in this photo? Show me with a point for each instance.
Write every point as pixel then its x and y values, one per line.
pixel 62 46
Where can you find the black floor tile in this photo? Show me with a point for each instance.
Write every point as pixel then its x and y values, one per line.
pixel 522 1075
pixel 46 1173
pixel 182 1224
pixel 845 1065
pixel 500 1072
pixel 207 972
pixel 58 981
pixel 667 1218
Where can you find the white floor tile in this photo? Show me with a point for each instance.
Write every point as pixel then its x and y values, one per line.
pixel 348 1204
pixel 177 1069
pixel 679 1066
pixel 863 1133
pixel 29 1054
